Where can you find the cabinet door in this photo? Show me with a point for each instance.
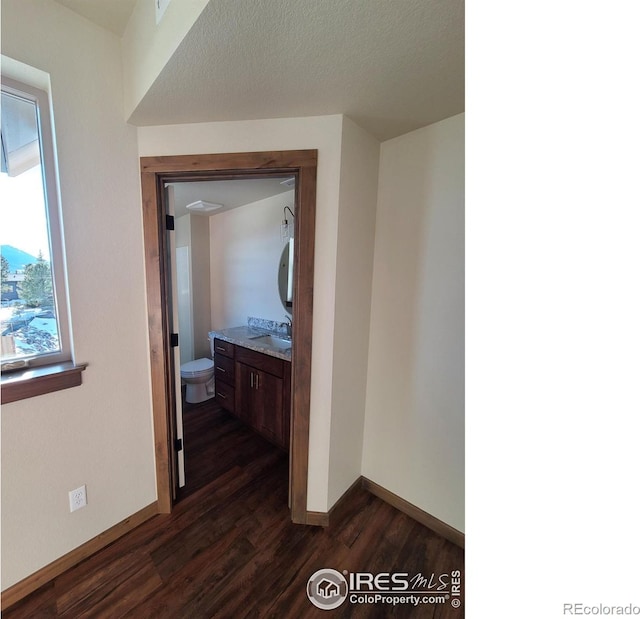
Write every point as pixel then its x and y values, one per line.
pixel 259 402
pixel 268 407
pixel 245 378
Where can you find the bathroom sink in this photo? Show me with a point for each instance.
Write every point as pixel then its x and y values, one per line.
pixel 272 340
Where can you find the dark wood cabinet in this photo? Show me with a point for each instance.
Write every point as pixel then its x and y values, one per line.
pixel 226 396
pixel 269 409
pixel 259 400
pixel 245 393
pixel 223 359
pixel 263 394
pixel 256 387
pixel 223 348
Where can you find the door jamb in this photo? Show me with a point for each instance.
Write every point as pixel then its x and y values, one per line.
pixel 154 172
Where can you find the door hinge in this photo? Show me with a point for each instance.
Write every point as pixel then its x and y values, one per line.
pixel 178 444
pixel 170 222
pixel 174 340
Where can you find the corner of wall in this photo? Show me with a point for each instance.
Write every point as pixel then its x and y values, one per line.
pixel 414 421
pixel 354 273
pixel 147 46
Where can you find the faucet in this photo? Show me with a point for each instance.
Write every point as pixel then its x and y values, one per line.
pixel 289 326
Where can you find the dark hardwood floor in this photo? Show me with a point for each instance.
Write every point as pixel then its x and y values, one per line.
pixel 230 550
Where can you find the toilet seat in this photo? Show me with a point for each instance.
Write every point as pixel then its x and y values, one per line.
pixel 196 368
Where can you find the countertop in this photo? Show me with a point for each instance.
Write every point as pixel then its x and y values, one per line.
pixel 244 336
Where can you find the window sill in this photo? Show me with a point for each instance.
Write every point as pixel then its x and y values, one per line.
pixel 31 382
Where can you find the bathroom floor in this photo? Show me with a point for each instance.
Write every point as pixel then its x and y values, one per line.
pixel 215 441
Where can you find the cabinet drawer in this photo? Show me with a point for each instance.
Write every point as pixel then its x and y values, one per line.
pixel 225 396
pixel 260 361
pixel 223 348
pixel 224 368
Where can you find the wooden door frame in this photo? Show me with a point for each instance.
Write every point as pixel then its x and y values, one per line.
pixel 155 171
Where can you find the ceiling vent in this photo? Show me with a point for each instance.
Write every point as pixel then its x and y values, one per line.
pixel 203 207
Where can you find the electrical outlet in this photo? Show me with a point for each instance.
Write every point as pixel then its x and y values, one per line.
pixel 77 498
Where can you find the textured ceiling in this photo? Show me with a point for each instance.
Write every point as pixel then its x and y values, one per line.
pixel 391 65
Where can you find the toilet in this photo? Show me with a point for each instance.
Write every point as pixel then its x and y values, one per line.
pixel 198 375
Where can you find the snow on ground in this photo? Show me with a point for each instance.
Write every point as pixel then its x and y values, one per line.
pixel 6 312
pixel 39 336
pixel 47 325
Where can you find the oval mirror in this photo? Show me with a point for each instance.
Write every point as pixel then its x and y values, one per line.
pixel 285 277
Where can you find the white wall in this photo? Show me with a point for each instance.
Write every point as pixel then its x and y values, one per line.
pixel 245 256
pixel 194 308
pixel 99 434
pixel 200 286
pixel 183 302
pixel 184 285
pixel 183 231
pixel 323 133
pixel 356 230
pixel 414 423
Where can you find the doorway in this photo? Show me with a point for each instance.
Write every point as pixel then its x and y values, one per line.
pixel 156 172
pixel 226 261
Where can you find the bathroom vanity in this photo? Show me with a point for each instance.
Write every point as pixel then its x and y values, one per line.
pixel 253 380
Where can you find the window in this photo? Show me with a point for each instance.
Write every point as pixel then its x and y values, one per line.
pixel 33 313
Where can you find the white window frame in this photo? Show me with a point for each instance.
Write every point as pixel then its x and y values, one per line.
pixel 48 159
